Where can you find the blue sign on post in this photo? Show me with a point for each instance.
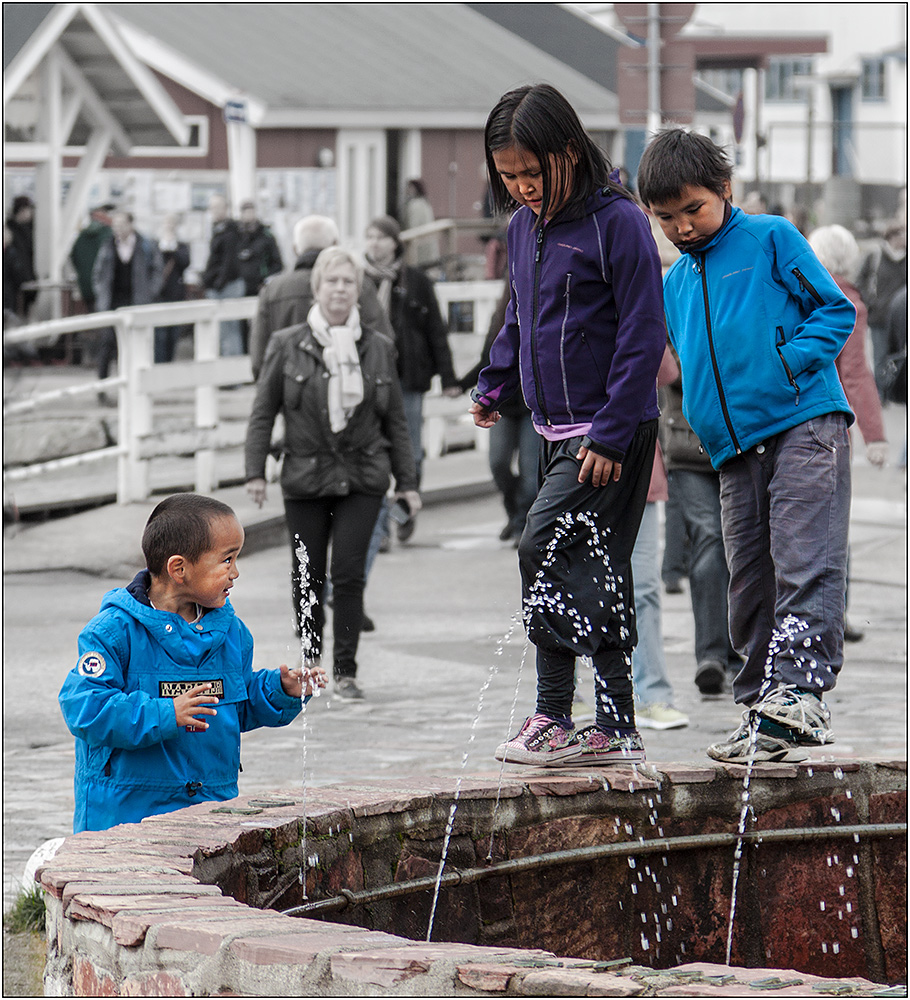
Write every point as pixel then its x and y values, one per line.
pixel 235 111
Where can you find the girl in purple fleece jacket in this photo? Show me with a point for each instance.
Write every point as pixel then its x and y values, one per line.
pixel 583 338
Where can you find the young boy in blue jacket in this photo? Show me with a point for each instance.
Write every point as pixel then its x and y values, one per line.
pixel 153 665
pixel 757 323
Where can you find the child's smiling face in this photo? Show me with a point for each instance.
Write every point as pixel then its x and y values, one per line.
pixel 208 580
pixel 522 175
pixel 697 213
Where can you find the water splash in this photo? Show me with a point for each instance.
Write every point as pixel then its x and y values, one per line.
pixel 308 659
pixel 450 823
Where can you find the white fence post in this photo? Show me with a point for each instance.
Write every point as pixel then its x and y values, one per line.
pixel 207 343
pixel 135 351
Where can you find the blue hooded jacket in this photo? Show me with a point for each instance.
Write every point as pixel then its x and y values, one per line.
pixel 584 330
pixel 132 760
pixel 757 323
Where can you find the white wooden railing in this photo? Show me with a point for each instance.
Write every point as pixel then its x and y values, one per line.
pixel 140 380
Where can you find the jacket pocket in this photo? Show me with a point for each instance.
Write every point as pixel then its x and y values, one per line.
pixel 779 343
pixel 298 475
pixel 295 384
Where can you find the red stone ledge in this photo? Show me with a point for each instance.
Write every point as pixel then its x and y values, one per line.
pixel 127 916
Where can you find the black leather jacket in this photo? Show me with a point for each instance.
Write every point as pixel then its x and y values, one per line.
pixel 317 462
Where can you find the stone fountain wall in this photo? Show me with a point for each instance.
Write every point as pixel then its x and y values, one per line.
pixel 185 904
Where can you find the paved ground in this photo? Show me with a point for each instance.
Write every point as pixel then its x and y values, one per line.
pixel 445 671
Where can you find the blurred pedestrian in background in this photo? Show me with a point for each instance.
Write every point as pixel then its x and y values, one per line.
pixel 21 224
pixel 422 252
pixel 420 333
pixel 838 251
pixel 257 250
pixel 513 440
pixel 286 299
pixel 334 382
pixel 175 259
pixel 882 275
pixel 222 278
pixel 127 272
pixel 85 251
pixel 694 490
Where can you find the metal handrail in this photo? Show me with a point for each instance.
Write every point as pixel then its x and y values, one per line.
pixel 629 848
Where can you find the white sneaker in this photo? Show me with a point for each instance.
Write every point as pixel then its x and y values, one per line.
pixel 659 716
pixel 800 711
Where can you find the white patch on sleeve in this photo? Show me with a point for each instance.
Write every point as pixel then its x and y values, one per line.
pixel 92 665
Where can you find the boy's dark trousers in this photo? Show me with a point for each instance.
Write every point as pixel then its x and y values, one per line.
pixel 575 560
pixel 785 507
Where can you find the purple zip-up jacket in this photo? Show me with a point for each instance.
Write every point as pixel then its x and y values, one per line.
pixel 584 331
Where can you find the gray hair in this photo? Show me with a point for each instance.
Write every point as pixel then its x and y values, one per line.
pixel 314 232
pixel 836 248
pixel 335 255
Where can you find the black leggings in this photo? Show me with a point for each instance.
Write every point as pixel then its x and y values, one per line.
pixel 575 557
pixel 348 521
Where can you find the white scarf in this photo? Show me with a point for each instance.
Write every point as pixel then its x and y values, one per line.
pixel 339 352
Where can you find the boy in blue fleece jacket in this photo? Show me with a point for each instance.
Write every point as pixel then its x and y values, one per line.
pixel 757 323
pixel 153 665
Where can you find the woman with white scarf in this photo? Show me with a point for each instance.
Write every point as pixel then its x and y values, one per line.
pixel 336 385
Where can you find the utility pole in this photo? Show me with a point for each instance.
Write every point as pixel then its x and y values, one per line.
pixel 654 43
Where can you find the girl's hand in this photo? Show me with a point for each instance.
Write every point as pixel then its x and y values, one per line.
pixel 297 683
pixel 255 490
pixel 482 417
pixel 602 470
pixel 189 705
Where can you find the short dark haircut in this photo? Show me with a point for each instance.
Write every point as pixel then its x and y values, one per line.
pixel 181 525
pixel 678 158
pixel 538 119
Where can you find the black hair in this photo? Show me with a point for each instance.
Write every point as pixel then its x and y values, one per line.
pixel 538 119
pixel 180 525
pixel 677 158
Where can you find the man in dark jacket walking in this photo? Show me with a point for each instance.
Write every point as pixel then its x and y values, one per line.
pixel 127 272
pixel 285 300
pixel 257 250
pixel 221 277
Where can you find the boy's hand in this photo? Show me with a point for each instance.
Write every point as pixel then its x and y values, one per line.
pixel 601 469
pixel 482 417
pixel 190 704
pixel 297 683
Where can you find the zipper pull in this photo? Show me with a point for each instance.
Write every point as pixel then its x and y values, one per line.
pixel 539 245
pixel 799 278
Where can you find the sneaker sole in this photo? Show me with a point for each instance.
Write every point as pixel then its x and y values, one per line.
pixel 593 758
pixel 789 755
pixel 521 755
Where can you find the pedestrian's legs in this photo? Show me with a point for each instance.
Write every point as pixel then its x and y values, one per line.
pixel 785 511
pixel 614 707
pixel 413 413
pixel 528 463
pixel 698 495
pixel 353 520
pixel 165 343
pixel 231 331
pixel 810 517
pixel 649 666
pixel 878 337
pixel 309 522
pixel 107 350
pixel 503 444
pixel 574 557
pixel 675 562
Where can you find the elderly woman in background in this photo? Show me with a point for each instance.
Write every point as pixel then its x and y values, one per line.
pixel 839 253
pixel 345 432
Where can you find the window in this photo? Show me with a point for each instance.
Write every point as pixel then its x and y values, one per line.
pixel 780 84
pixel 873 79
pixel 729 81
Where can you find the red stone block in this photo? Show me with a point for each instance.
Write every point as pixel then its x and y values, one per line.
pixel 302 949
pixel 130 927
pixel 157 984
pixel 385 969
pixel 567 784
pixel 205 937
pixel 491 978
pixel 890 866
pixel 89 982
pixel 888 807
pixel 687 774
pixel 782 771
